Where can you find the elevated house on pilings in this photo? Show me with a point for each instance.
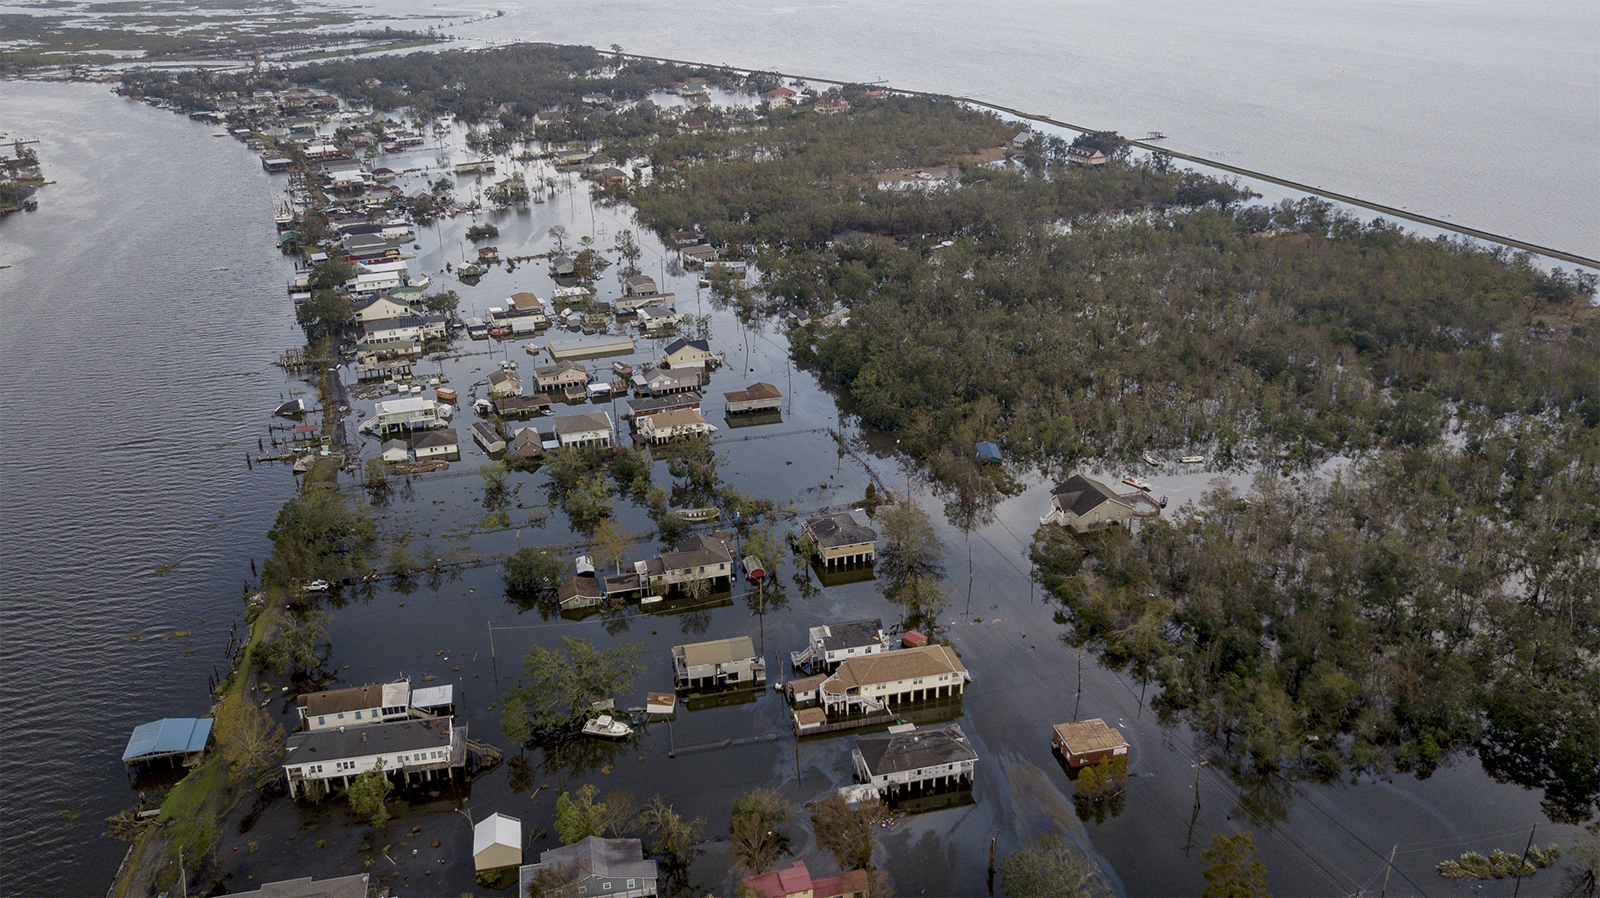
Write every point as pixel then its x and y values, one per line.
pixel 898 765
pixel 876 682
pixel 409 750
pixel 841 539
pixel 718 663
pixel 833 644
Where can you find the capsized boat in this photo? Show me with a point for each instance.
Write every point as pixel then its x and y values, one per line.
pixel 291 409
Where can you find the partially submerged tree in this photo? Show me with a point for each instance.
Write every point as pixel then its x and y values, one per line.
pixel 911 564
pixel 756 842
pixel 533 572
pixel 1050 869
pixel 369 793
pixel 247 739
pixel 846 831
pixel 1231 871
pixel 562 682
pixel 582 814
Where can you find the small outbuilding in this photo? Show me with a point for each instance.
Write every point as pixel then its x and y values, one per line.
pixel 170 737
pixel 1087 742
pixel 988 453
pixel 496 843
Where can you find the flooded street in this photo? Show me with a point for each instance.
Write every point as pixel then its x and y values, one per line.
pixel 164 481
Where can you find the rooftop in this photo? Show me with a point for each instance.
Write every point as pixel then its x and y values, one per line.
pixel 717 651
pixel 753 392
pixel 360 742
pixel 1089 735
pixel 902 752
pixel 842 529
pixel 888 667
pixel 170 735
pixel 851 634
pixel 1080 495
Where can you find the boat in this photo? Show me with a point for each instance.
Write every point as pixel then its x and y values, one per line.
pixel 532 348
pixel 316 586
pixel 1135 482
pixel 291 409
pixel 1193 459
pixel 697 515
pixel 607 727
pixel 752 568
pixel 1150 461
pixel 622 368
pixel 649 600
pixel 499 332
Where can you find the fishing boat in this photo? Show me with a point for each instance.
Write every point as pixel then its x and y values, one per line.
pixel 1135 482
pixel 1193 459
pixel 607 727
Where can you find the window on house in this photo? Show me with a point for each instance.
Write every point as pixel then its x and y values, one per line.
pixel 321 720
pixel 358 715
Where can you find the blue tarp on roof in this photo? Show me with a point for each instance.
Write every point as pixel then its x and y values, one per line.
pixel 169 735
pixel 988 451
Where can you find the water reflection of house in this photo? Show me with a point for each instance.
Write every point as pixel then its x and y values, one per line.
pixel 720 662
pixel 897 764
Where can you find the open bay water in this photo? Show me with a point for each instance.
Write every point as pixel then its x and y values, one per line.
pixel 140 310
pixel 1479 112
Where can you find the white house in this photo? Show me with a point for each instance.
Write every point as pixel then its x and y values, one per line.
pixel 410 413
pixel 593 429
pixel 505 382
pixel 440 443
pixel 898 763
pixel 663 383
pixel 638 285
pixel 407 747
pixel 655 319
pixel 379 308
pixel 355 706
pixel 757 397
pixel 833 644
pixel 720 662
pixel 395 450
pixel 875 681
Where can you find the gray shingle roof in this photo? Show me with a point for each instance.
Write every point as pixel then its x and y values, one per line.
pixel 901 752
pixel 839 529
pixel 357 742
pixel 1080 495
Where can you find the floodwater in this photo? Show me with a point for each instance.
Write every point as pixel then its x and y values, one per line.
pixel 129 446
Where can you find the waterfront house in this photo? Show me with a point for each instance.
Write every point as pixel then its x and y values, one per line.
pixel 410 413
pixel 1085 156
pixel 526 443
pixel 831 105
pixel 697 558
pixel 796 881
pixel 779 96
pixel 638 285
pixel 697 256
pixel 658 319
pixel 380 308
pixel 637 301
pixel 1087 742
pixel 593 867
pixel 841 539
pixel 896 764
pixel 655 405
pixel 665 383
pixel 496 843
pixel 833 644
pixel 667 426
pixel 593 429
pixel 1084 504
pixel 354 706
pixel 755 398
pixel 719 662
pixel 409 748
pixel 440 443
pixel 560 376
pixel 873 682
pixel 598 162
pixel 562 266
pixel 395 450
pixel 520 406
pixel 486 436
pixel 686 353
pixel 505 382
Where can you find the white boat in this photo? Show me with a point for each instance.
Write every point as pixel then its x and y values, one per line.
pixel 1135 482
pixel 607 727
pixel 649 600
pixel 1193 459
pixel 1150 461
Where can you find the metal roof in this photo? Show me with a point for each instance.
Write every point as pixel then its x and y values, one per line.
pixel 433 696
pixel 496 829
pixel 170 735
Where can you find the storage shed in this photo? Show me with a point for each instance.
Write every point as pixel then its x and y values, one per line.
pixel 496 843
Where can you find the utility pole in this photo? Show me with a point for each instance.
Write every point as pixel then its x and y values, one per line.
pixel 1079 700
pixel 1386 873
pixel 1524 861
